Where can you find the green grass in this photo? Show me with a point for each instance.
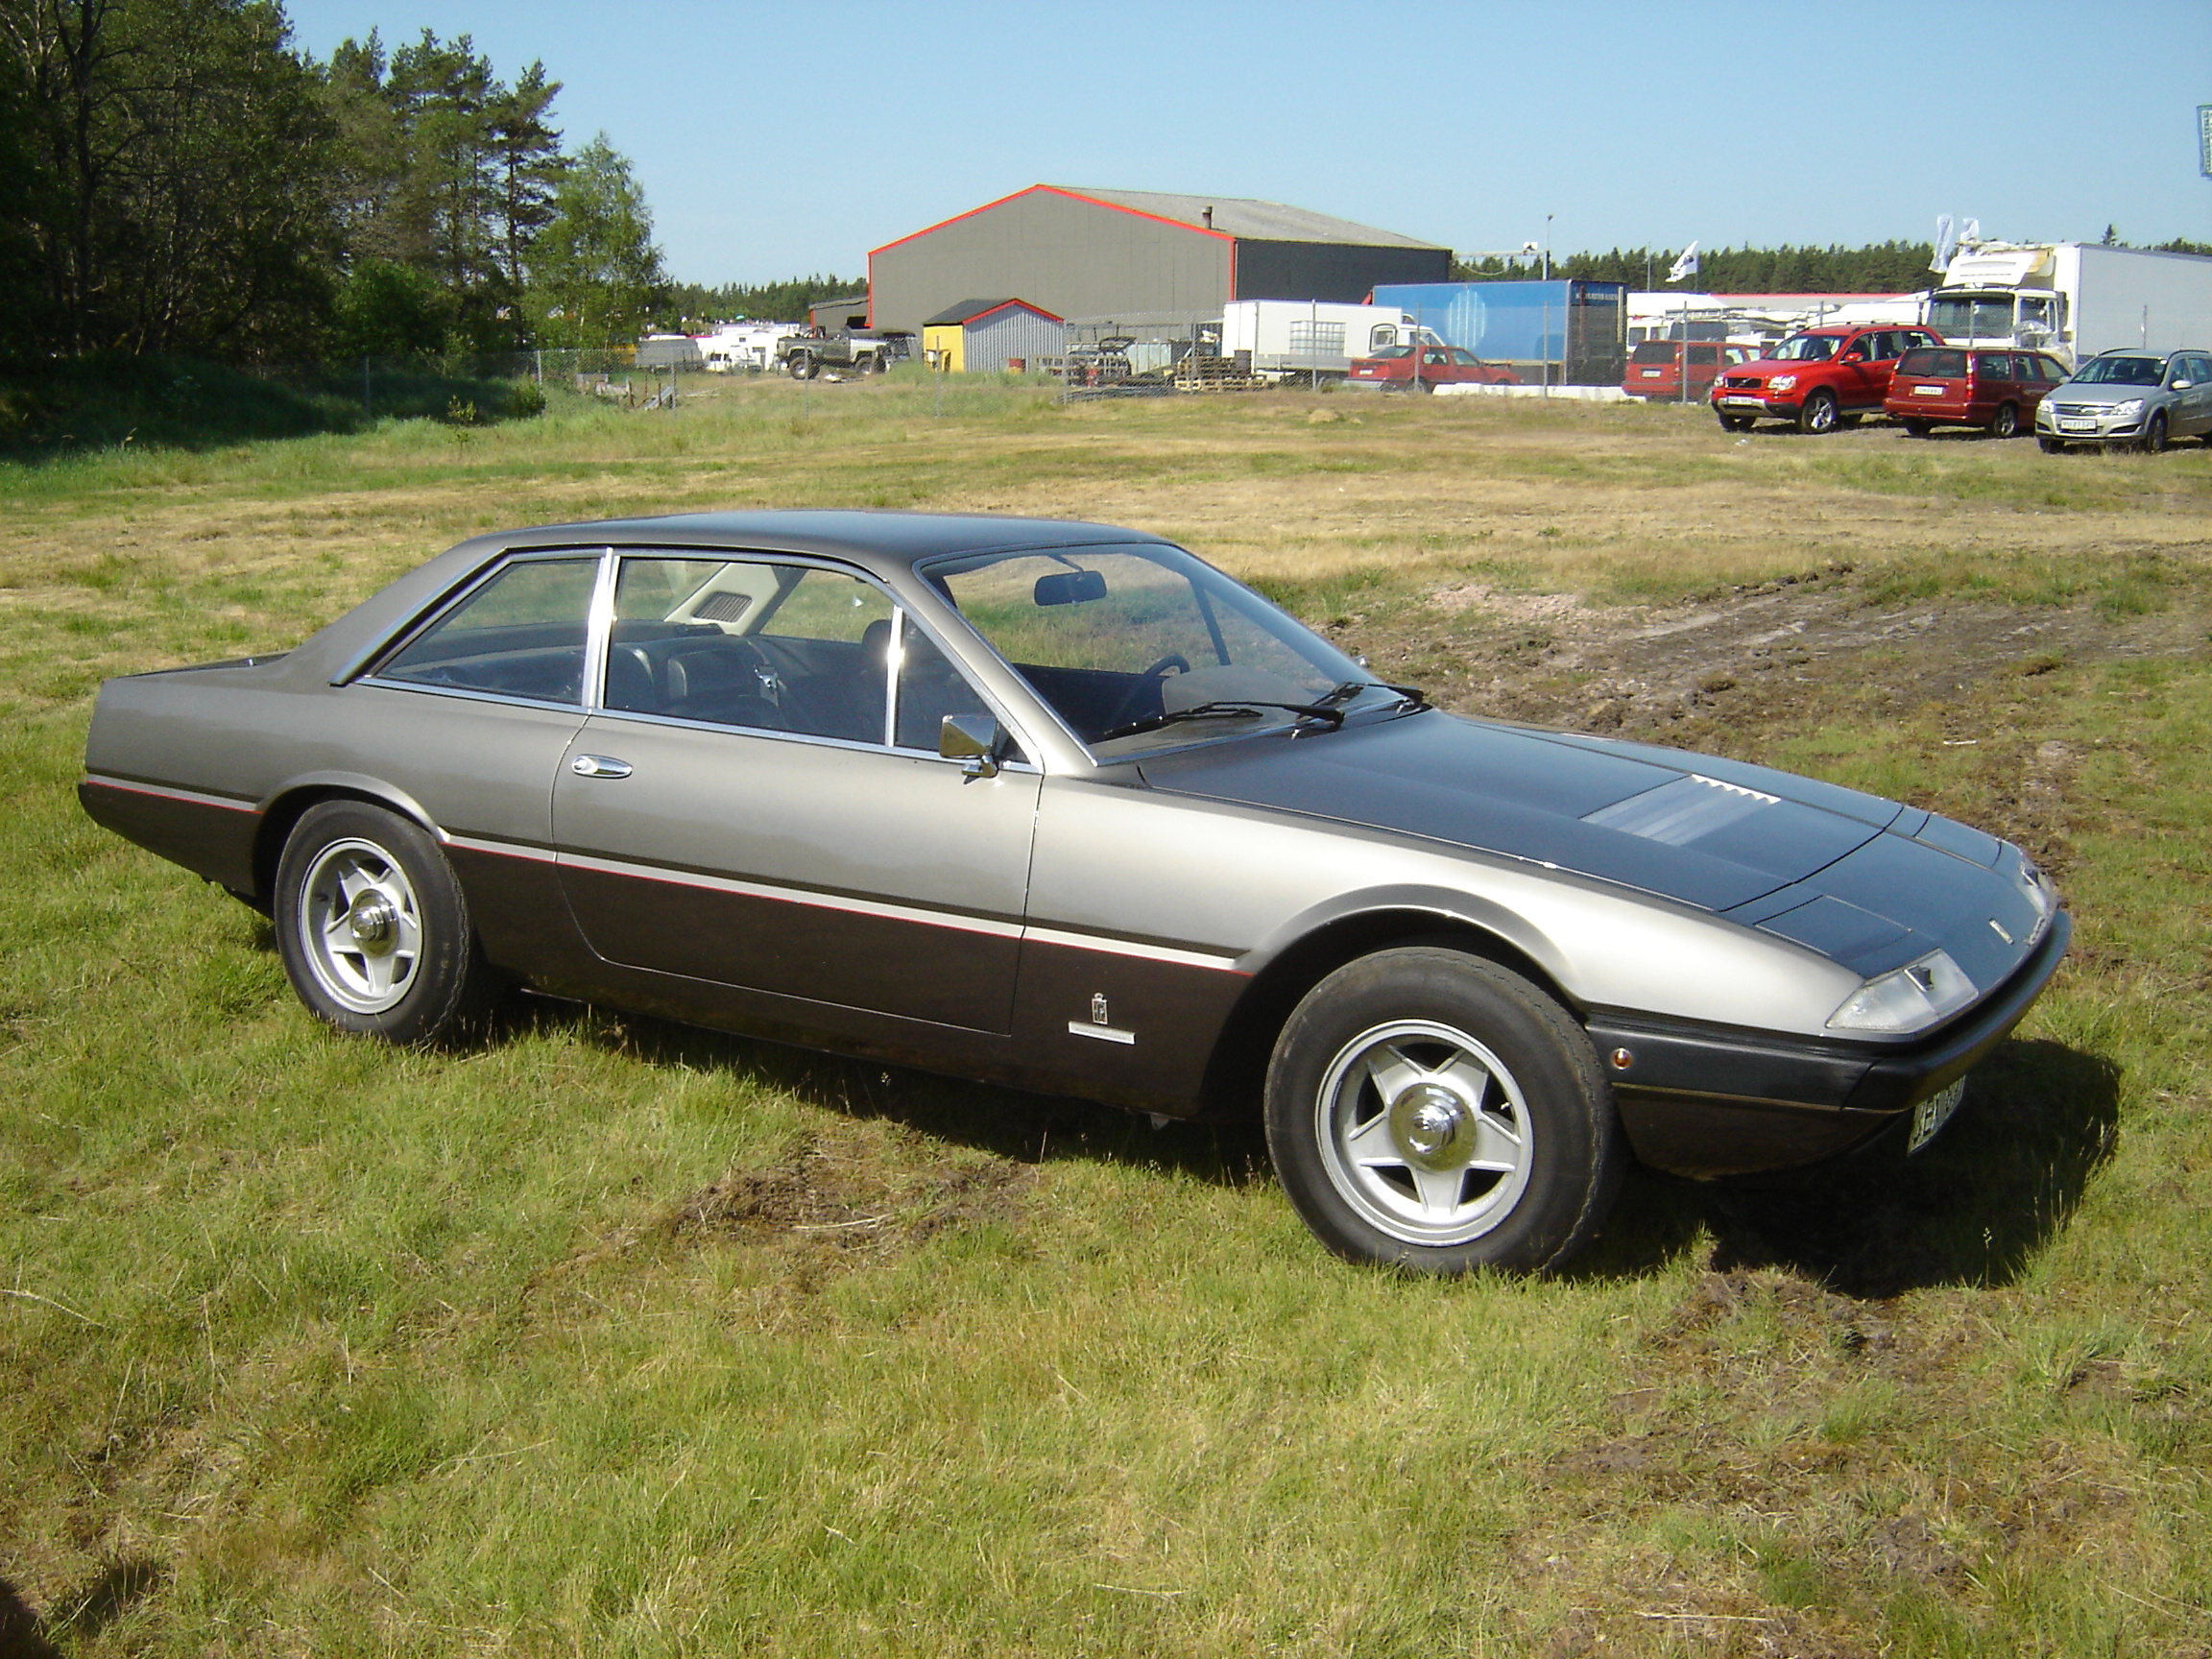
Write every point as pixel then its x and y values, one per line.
pixel 614 1338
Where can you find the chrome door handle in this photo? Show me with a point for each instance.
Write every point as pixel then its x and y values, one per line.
pixel 599 766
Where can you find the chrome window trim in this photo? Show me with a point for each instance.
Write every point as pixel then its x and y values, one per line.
pixel 470 695
pixel 598 630
pixel 857 746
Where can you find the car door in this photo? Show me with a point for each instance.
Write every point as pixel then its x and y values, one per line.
pixel 2193 408
pixel 756 799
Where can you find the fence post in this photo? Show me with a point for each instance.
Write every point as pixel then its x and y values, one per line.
pixel 365 384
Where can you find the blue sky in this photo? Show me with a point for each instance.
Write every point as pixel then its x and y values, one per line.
pixel 777 140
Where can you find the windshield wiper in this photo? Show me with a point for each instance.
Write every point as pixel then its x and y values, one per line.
pixel 1236 708
pixel 1410 698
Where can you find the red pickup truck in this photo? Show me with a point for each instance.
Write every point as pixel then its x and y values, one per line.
pixel 1818 380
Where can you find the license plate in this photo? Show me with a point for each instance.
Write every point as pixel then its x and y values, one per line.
pixel 1741 403
pixel 1653 373
pixel 1926 390
pixel 1932 1114
pixel 2076 426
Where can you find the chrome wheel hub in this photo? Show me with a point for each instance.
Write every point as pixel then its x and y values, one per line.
pixel 1423 1132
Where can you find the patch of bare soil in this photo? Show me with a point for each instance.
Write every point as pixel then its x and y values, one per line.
pixel 1779 652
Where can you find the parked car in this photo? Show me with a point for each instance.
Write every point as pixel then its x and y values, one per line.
pixel 1392 368
pixel 1952 386
pixel 1062 807
pixel 1817 378
pixel 2134 399
pixel 1655 367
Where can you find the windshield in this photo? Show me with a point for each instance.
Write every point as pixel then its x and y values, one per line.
pixel 1118 637
pixel 2122 370
pixel 1805 349
pixel 1971 317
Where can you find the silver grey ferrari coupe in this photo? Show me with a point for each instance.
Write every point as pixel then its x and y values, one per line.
pixel 1061 805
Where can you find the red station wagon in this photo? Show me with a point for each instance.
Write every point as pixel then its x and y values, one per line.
pixel 1818 380
pixel 1392 368
pixel 1952 386
pixel 1655 367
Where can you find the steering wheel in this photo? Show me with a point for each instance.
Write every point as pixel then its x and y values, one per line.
pixel 1127 708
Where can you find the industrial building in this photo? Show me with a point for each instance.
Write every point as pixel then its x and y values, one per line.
pixel 983 336
pixel 1084 253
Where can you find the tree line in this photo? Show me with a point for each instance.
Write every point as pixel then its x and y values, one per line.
pixel 1878 268
pixel 178 177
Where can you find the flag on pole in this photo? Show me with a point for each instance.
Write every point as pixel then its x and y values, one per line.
pixel 1686 266
pixel 1946 243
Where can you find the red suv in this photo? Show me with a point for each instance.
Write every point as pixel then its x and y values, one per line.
pixel 1818 380
pixel 1655 367
pixel 1950 385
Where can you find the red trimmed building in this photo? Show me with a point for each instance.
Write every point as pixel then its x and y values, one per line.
pixel 1117 253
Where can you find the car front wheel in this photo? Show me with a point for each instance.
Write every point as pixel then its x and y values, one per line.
pixel 1819 413
pixel 2051 445
pixel 2154 435
pixel 1429 1110
pixel 1735 423
pixel 374 931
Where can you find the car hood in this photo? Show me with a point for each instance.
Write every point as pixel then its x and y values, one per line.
pixel 1864 880
pixel 2105 391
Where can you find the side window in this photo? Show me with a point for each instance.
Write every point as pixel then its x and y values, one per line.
pixel 1381 335
pixel 520 633
pixel 751 643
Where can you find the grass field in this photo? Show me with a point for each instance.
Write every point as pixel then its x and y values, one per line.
pixel 609 1337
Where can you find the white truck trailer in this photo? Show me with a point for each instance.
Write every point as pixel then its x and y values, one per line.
pixel 2077 299
pixel 1310 339
pixel 743 348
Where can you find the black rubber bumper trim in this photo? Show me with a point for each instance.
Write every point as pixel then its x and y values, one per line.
pixel 1754 1068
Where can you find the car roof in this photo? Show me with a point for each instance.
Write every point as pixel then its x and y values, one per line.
pixel 877 539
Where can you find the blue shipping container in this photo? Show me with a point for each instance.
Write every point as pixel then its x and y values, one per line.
pixel 1502 322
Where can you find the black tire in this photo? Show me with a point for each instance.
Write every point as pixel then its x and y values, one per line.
pixel 2051 445
pixel 804 366
pixel 1735 423
pixel 1848 420
pixel 1818 416
pixel 375 931
pixel 1494 1144
pixel 2154 434
pixel 1918 428
pixel 2006 422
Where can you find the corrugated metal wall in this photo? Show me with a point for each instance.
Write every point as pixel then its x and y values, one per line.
pixel 1011 333
pixel 1069 256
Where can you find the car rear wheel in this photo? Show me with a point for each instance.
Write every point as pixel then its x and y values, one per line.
pixel 2154 434
pixel 372 929
pixel 1918 428
pixel 1429 1110
pixel 1818 416
pixel 2006 422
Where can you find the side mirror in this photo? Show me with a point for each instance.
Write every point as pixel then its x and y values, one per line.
pixel 2183 385
pixel 977 740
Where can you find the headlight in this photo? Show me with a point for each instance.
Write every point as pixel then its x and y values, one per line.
pixel 2133 407
pixel 1908 1000
pixel 1781 382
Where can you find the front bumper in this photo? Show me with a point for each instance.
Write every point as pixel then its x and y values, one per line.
pixel 1707 1102
pixel 1755 404
pixel 2090 428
